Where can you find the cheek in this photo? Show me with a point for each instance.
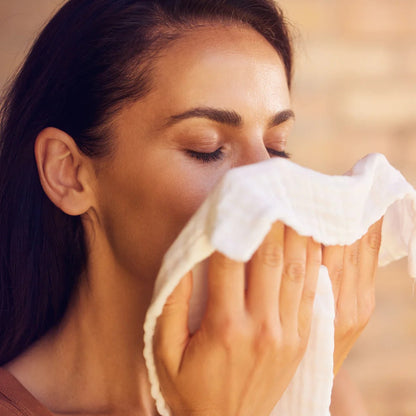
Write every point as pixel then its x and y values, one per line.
pixel 185 190
pixel 144 207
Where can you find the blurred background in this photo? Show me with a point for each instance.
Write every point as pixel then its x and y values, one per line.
pixel 354 93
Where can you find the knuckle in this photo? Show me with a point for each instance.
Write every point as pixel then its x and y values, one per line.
pixel 353 325
pixel 337 274
pixel 348 327
pixel 352 257
pixel 315 261
pixel 308 296
pixel 270 254
pixel 267 339
pixel 374 241
pixel 269 331
pixel 229 333
pixel 295 271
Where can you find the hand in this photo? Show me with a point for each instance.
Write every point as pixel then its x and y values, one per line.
pixel 352 272
pixel 252 336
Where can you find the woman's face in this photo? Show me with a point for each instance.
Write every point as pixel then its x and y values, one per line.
pixel 220 99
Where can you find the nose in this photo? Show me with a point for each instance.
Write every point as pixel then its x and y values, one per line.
pixel 252 153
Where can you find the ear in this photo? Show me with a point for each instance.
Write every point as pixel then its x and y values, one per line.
pixel 65 173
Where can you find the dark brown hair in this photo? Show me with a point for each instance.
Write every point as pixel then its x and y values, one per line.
pixel 90 59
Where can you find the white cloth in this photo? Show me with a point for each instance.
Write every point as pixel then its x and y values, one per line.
pixel 237 215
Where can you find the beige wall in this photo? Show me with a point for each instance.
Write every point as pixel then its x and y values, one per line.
pixel 355 88
pixel 354 93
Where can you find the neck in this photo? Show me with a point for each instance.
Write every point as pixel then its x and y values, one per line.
pixel 93 362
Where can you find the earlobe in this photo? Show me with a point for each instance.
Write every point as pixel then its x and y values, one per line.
pixel 62 171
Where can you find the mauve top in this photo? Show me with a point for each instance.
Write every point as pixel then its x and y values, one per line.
pixel 15 400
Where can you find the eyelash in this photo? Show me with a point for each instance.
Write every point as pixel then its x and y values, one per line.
pixel 218 155
pixel 207 157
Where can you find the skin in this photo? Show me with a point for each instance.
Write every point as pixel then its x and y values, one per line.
pixel 135 203
pixel 346 404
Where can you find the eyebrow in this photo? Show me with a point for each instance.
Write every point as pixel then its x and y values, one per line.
pixel 227 117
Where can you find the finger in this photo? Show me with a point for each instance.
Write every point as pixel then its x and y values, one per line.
pixel 226 287
pixel 313 263
pixel 347 298
pixel 369 250
pixel 171 332
pixel 333 259
pixel 264 274
pixel 293 278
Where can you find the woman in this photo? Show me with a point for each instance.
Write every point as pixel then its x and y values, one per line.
pixel 123 117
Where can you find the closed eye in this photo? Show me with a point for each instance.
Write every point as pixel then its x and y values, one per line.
pixel 207 157
pixel 278 153
pixel 219 154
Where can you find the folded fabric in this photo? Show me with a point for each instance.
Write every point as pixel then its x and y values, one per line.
pixel 334 210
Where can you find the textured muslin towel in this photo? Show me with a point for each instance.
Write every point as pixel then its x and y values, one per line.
pixel 237 215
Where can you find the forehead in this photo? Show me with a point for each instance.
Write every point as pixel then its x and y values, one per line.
pixel 220 66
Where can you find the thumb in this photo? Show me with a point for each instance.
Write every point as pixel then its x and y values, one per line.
pixel 172 333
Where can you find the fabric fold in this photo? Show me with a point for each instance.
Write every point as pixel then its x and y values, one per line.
pixel 334 210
